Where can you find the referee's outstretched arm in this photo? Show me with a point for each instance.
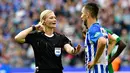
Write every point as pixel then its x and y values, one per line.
pixel 72 50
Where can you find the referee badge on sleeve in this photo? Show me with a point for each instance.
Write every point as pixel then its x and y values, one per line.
pixel 57 51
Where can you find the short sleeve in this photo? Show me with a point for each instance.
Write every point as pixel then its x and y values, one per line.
pixel 97 32
pixel 30 37
pixel 66 40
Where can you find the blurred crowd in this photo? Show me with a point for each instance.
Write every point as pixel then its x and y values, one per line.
pixel 17 15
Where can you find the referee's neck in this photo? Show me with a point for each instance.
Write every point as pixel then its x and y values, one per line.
pixel 49 31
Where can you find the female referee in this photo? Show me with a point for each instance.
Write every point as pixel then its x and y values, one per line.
pixel 46 43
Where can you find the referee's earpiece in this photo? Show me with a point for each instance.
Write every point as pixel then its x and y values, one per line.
pixel 43 22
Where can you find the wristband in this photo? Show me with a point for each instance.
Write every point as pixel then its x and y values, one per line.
pixel 33 27
pixel 74 48
pixel 116 37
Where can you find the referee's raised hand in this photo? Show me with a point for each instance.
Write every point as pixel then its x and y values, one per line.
pixel 77 49
pixel 38 27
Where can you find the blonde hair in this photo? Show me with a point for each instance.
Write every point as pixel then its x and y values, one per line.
pixel 43 14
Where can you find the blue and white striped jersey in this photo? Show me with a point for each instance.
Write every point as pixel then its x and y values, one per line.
pixel 94 33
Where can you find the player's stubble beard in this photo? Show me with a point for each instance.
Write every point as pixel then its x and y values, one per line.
pixel 85 23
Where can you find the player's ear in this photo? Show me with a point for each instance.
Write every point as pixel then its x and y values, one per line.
pixel 89 13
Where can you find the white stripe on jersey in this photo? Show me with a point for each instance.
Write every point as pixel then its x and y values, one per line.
pixel 98 68
pixel 92 50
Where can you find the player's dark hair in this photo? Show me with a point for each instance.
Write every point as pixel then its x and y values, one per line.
pixel 93 9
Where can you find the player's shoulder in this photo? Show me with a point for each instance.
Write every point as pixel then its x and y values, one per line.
pixel 95 27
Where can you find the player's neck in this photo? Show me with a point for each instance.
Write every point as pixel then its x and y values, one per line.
pixel 90 22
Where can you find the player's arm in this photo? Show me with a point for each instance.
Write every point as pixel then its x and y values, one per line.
pixel 121 47
pixel 100 48
pixel 98 35
pixel 112 43
pixel 72 50
pixel 101 44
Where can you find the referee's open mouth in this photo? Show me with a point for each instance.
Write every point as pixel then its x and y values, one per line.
pixel 54 23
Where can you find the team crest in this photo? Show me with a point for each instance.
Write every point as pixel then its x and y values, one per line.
pixel 57 51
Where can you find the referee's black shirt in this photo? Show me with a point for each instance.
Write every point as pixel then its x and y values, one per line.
pixel 47 50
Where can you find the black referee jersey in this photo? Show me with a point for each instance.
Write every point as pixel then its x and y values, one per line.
pixel 47 50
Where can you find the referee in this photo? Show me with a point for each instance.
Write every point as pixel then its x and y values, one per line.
pixel 46 43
